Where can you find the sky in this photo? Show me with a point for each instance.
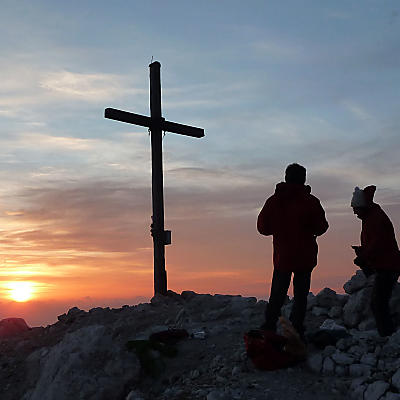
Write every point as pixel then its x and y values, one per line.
pixel 270 82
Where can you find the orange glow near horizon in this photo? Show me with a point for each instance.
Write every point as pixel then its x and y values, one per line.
pixel 20 291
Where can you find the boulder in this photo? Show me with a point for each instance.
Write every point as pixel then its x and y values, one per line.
pixel 314 362
pixel 357 307
pixel 376 390
pixel 327 298
pixel 335 312
pixel 328 366
pixel 357 282
pixel 396 380
pixel 342 358
pixel 391 396
pixel 88 361
pixel 356 370
pixel 12 326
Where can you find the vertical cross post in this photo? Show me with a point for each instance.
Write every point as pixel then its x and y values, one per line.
pixel 160 275
pixel 157 125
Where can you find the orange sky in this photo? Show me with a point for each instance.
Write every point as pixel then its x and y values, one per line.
pixel 74 260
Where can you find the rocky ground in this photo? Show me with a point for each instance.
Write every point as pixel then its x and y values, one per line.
pixel 85 354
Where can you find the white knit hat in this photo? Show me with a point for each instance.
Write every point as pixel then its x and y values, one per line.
pixel 358 199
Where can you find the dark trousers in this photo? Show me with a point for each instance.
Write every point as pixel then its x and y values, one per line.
pixel 279 288
pixel 381 293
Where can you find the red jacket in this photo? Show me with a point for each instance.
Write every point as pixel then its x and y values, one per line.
pixel 295 218
pixel 378 241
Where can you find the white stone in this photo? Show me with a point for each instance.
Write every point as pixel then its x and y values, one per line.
pixel 135 395
pixel 342 358
pixel 341 370
pixel 328 350
pixel 194 374
pixel 356 282
pixel 65 371
pixel 368 359
pixel 317 311
pixel 326 298
pixel 391 396
pixel 357 370
pixel 328 366
pixel 367 324
pixel 357 307
pixel 335 312
pixel 314 362
pixel 357 382
pixel 396 380
pixel 236 370
pixel 357 351
pixel 217 394
pixel 376 390
pixel 358 392
pixel 330 324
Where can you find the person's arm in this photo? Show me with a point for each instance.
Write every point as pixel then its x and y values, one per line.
pixel 265 218
pixel 319 223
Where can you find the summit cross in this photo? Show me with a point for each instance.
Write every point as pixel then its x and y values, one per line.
pixel 157 124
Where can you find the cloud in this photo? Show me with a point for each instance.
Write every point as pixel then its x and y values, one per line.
pixel 357 110
pixel 88 87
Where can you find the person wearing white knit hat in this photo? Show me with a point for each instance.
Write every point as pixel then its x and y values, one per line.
pixel 378 254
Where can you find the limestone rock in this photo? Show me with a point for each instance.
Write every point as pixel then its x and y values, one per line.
pixel 328 366
pixel 12 326
pixel 356 370
pixel 314 362
pixel 326 298
pixel 357 282
pixel 65 371
pixel 335 312
pixel 396 380
pixel 342 358
pixel 376 390
pixel 368 359
pixel 357 307
pixel 318 311
pixel 391 396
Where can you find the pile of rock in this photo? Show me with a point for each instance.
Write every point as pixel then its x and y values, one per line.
pixel 85 354
pixel 374 361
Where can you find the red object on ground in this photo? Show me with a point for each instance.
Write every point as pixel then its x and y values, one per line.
pixel 266 350
pixel 12 326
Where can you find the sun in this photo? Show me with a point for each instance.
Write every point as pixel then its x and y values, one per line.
pixel 21 291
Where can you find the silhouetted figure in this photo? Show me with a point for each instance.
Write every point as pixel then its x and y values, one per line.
pixel 378 254
pixel 294 217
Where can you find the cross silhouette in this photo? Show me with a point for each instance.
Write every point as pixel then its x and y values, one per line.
pixel 157 124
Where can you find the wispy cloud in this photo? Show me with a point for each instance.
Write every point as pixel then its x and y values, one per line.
pixel 357 110
pixel 88 87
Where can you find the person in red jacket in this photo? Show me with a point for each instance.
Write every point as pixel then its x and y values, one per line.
pixel 294 217
pixel 378 254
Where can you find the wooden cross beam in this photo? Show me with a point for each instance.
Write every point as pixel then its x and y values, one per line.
pixel 157 124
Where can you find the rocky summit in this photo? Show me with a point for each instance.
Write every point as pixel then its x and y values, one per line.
pixel 105 353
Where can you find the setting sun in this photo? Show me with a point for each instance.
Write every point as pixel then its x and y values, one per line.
pixel 20 291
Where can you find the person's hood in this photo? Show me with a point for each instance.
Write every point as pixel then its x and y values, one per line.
pixel 288 190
